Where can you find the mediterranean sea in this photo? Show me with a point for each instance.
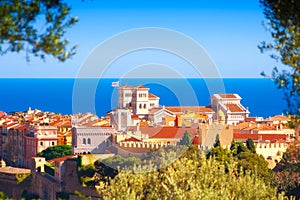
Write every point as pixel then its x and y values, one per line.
pixel 50 94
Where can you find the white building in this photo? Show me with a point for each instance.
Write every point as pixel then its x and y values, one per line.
pixel 228 108
pixel 137 99
pixel 92 140
pixel 120 119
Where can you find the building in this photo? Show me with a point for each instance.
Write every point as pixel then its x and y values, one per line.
pixel 15 145
pixel 137 99
pixel 38 139
pixel 93 140
pixel 270 146
pixel 228 108
pixel 208 135
pixel 263 128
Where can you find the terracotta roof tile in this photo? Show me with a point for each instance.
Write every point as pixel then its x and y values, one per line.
pixel 180 109
pixel 271 137
pixel 60 159
pixel 234 108
pixel 141 87
pixel 196 140
pixel 173 132
pixel 278 118
pixel 131 139
pixel 152 96
pixel 228 96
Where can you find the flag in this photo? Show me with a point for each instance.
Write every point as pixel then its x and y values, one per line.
pixel 115 84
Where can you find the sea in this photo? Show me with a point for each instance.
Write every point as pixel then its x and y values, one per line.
pixel 98 96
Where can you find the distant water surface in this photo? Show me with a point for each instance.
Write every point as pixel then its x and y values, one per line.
pixel 259 95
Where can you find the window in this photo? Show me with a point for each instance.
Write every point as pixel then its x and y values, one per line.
pixel 140 106
pixel 53 143
pixel 89 141
pixel 84 141
pixel 145 106
pixel 41 143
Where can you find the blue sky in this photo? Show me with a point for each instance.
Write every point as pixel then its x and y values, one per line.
pixel 229 31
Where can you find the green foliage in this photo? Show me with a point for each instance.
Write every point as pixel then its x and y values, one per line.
pixel 237 148
pixel 283 17
pixel 36 26
pixel 220 154
pixel 250 145
pixel 81 195
pixel 245 158
pixel 217 142
pixel 190 179
pixel 121 162
pixel 27 195
pixel 287 172
pixel 166 155
pixel 21 177
pixel 2 195
pixel 49 168
pixel 56 152
pixel 62 195
pixel 186 139
pixel 86 175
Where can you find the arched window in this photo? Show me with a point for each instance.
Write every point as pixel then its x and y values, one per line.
pixel 145 106
pixel 140 106
pixel 84 141
pixel 89 141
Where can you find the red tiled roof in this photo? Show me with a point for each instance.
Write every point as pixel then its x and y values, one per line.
pixel 278 118
pixel 253 126
pixel 250 119
pixel 271 137
pixel 134 117
pixel 2 113
pixel 21 127
pixel 177 109
pixel 229 96
pixel 131 139
pixel 141 87
pixel 61 158
pixel 234 108
pixel 196 140
pixel 152 96
pixel 173 132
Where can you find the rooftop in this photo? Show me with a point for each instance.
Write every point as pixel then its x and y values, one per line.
pixel 234 108
pixel 14 170
pixel 228 96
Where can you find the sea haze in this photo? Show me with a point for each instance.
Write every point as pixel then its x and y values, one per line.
pixel 260 95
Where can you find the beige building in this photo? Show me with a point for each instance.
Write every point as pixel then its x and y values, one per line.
pixel 209 133
pixel 38 139
pixel 91 140
pixel 228 108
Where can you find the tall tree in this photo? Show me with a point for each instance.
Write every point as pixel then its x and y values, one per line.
pixel 250 145
pixel 56 151
pixel 283 17
pixel 186 139
pixel 37 27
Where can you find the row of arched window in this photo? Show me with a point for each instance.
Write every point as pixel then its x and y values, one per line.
pixel 86 141
pixel 141 106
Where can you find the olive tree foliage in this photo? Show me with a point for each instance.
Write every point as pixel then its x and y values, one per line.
pixel 187 178
pixel 287 172
pixel 283 21
pixel 37 27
